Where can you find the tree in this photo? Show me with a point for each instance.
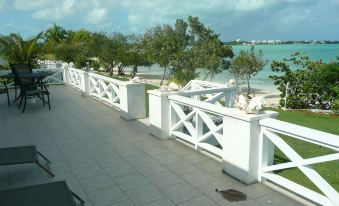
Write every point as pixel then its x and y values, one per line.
pixel 14 49
pixel 185 48
pixel 54 36
pixel 313 84
pixel 134 55
pixel 111 51
pixel 246 65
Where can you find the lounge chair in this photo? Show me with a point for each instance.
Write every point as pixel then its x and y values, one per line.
pixel 48 194
pixel 23 155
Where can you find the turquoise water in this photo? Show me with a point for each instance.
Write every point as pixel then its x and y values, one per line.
pixel 326 52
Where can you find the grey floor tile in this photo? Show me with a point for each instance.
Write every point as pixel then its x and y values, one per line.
pixel 107 196
pixel 120 170
pixel 181 167
pixel 131 181
pixel 277 199
pixel 96 183
pixel 151 169
pixel 127 202
pixel 199 201
pixel 181 192
pixel 164 179
pixel 198 177
pixel 161 202
pixel 144 195
pixel 139 160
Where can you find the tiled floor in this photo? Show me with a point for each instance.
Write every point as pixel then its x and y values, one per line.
pixel 109 161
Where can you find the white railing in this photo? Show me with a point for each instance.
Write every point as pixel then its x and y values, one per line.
pixel 198 123
pixel 270 128
pixel 105 89
pixel 211 92
pixel 74 77
pixel 127 97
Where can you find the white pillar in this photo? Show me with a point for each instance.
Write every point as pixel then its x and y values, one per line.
pixel 230 97
pixel 132 101
pixel 240 145
pixel 65 74
pixel 84 83
pixel 159 106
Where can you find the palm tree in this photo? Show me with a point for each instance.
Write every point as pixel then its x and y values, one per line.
pixel 14 49
pixel 53 36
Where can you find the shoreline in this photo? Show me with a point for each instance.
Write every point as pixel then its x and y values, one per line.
pixel 272 97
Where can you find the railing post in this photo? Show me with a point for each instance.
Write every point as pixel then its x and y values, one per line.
pixel 84 83
pixel 241 146
pixel 230 97
pixel 159 114
pixel 132 101
pixel 65 74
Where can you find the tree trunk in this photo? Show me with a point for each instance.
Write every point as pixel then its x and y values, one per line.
pixel 134 72
pixel 110 68
pixel 248 85
pixel 121 69
pixel 163 76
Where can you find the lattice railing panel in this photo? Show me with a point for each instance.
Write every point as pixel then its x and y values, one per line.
pixel 104 90
pixel 198 127
pixel 270 135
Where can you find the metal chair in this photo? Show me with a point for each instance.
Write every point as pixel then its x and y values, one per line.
pixel 3 91
pixel 20 68
pixel 29 87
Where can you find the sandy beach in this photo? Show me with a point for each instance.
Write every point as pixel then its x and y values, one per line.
pixel 272 98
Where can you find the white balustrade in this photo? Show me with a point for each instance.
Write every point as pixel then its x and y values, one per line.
pixel 270 128
pixel 209 92
pixel 105 89
pixel 73 77
pixel 127 97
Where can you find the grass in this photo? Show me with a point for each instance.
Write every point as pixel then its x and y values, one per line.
pixel 328 170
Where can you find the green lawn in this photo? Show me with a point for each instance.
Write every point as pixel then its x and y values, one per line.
pixel 328 170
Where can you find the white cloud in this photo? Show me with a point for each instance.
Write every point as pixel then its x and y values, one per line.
pixel 97 16
pixel 232 18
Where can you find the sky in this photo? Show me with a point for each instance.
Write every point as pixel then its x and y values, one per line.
pixel 232 19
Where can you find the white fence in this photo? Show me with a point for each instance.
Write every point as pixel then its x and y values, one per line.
pixel 197 123
pixel 105 89
pixel 127 97
pixel 270 128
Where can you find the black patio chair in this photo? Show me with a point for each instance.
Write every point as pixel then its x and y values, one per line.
pixel 48 194
pixel 4 90
pixel 29 87
pixel 20 68
pixel 23 155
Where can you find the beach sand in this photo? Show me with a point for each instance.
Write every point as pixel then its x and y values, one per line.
pixel 272 98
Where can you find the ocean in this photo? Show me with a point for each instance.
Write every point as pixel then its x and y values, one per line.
pixel 326 52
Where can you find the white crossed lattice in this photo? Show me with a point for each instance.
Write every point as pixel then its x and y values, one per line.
pixel 330 197
pixel 193 122
pixel 105 91
pixel 74 78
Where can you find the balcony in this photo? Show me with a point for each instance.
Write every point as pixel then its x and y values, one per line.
pixel 107 160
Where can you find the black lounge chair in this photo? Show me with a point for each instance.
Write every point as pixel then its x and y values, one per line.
pixel 48 194
pixel 23 155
